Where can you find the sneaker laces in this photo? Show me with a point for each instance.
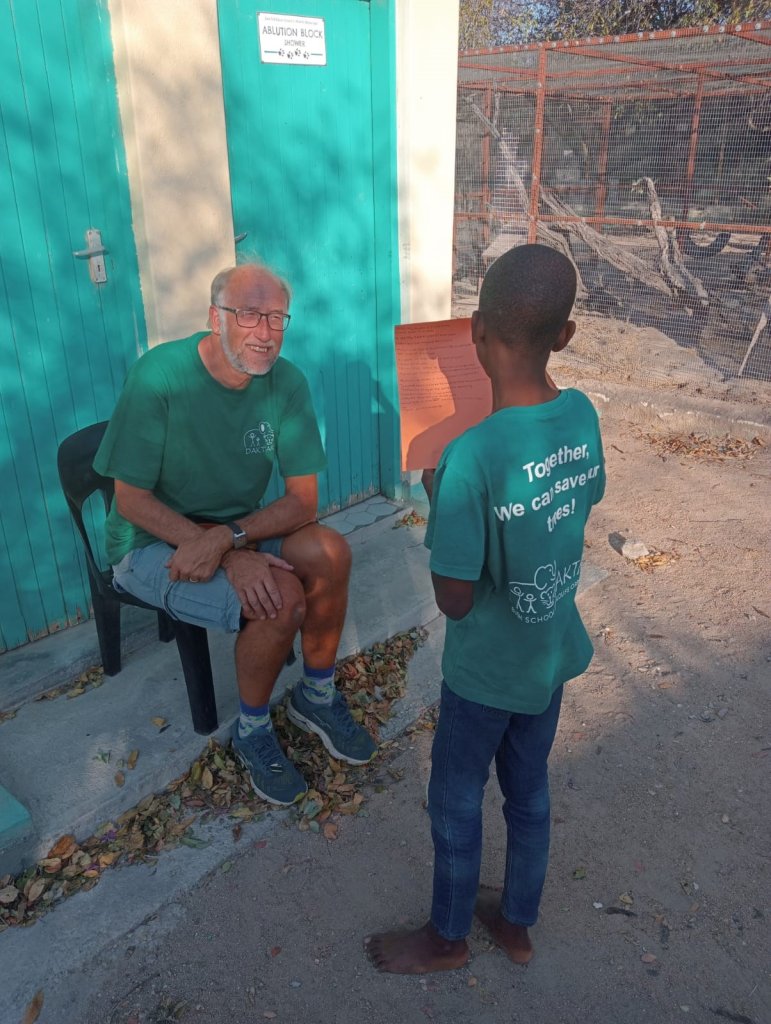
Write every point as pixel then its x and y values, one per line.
pixel 267 751
pixel 343 717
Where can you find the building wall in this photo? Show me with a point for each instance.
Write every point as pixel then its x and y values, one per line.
pixel 170 95
pixel 167 64
pixel 426 70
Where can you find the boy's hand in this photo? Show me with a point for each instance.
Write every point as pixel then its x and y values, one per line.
pixel 453 597
pixel 427 479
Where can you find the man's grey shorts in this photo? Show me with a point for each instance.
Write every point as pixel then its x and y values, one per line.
pixel 143 573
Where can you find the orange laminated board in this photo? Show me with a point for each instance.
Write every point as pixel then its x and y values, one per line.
pixel 442 388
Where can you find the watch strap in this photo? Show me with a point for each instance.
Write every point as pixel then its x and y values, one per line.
pixel 240 540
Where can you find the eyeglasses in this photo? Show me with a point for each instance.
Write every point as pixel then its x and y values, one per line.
pixel 253 318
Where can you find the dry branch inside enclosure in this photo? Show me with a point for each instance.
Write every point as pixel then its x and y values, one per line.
pixel 673 268
pixel 761 326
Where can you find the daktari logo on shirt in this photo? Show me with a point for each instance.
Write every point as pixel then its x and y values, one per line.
pixel 536 600
pixel 259 440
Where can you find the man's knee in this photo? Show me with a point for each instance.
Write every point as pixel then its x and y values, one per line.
pixel 319 551
pixel 336 550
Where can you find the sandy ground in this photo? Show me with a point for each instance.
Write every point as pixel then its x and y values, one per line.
pixel 656 904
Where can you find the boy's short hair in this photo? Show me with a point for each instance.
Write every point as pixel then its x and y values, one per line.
pixel 527 295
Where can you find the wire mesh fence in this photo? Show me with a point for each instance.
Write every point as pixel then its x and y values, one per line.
pixel 647 159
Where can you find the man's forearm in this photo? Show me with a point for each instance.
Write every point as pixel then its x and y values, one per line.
pixel 146 511
pixel 278 519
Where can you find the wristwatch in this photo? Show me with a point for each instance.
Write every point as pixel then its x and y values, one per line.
pixel 240 540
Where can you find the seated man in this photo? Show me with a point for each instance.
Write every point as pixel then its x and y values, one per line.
pixel 191 443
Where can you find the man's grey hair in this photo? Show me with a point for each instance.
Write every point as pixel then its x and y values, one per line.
pixel 220 282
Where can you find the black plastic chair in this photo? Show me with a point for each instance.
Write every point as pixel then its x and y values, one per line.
pixel 79 481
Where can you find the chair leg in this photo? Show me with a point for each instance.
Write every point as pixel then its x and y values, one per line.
pixel 107 619
pixel 193 645
pixel 165 627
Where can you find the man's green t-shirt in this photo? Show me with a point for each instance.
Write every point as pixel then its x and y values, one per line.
pixel 204 449
pixel 511 498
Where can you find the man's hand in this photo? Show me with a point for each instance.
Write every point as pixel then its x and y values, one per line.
pixel 197 560
pixel 250 575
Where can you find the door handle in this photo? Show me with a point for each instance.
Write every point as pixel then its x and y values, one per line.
pixel 95 256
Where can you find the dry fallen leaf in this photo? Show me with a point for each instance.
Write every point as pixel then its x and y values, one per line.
pixel 158 722
pixel 330 831
pixel 32 1012
pixel 627 899
pixel 648 958
pixel 36 890
pixel 411 518
pixel 132 759
pixel 653 561
pixel 120 778
pixel 64 847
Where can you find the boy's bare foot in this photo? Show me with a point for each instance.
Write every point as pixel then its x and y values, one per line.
pixel 512 938
pixel 422 951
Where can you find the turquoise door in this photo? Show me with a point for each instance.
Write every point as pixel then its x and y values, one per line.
pixel 311 158
pixel 65 342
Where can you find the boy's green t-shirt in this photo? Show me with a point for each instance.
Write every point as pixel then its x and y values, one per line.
pixel 204 449
pixel 511 498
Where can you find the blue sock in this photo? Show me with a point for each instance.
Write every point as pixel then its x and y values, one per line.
pixel 253 719
pixel 318 684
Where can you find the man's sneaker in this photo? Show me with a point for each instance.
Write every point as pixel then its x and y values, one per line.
pixel 272 774
pixel 342 737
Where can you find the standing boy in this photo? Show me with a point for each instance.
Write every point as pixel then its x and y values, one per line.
pixel 510 500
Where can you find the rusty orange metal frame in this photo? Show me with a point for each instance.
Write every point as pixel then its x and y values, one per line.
pixel 634 90
pixel 683 73
pixel 535 174
pixel 598 82
pixel 691 68
pixel 486 164
pixel 744 30
pixel 602 163
pixel 681 69
pixel 693 144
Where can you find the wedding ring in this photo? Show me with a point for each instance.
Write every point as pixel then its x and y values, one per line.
pixel 193 579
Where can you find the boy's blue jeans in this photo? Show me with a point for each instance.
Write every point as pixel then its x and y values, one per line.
pixel 468 737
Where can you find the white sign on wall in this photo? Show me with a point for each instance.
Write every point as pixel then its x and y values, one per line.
pixel 288 39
